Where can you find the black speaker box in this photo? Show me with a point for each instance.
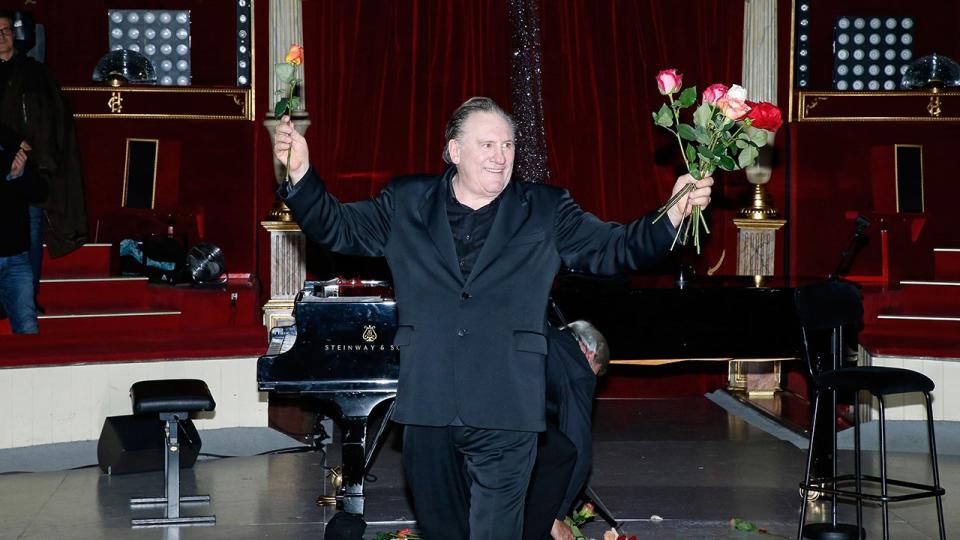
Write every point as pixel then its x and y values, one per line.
pixel 132 444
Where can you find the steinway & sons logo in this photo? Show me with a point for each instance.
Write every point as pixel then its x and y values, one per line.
pixel 369 344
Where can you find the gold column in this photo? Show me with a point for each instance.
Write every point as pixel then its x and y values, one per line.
pixel 288 247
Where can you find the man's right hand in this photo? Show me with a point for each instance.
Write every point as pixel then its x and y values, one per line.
pixel 561 531
pixel 288 141
pixel 19 163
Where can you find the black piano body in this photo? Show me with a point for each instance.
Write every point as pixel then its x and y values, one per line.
pixel 339 352
pixel 710 317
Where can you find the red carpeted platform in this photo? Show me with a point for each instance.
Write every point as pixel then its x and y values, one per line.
pixel 93 315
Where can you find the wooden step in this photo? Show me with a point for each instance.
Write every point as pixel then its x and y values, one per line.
pixel 946 263
pixel 91 294
pixel 89 260
pixel 104 322
pixel 931 297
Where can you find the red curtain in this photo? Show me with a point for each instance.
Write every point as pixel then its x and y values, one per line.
pixel 600 60
pixel 383 77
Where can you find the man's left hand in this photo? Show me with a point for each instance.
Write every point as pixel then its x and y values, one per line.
pixel 698 197
pixel 561 531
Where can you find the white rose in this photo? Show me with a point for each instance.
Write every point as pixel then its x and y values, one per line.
pixel 737 92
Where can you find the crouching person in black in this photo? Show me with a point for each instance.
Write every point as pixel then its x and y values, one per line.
pixel 577 353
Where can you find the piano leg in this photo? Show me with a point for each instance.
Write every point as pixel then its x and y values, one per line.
pixel 353 457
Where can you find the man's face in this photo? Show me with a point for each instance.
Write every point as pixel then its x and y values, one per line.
pixel 484 155
pixel 590 356
pixel 6 39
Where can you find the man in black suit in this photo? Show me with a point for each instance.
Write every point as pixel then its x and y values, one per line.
pixel 473 256
pixel 577 354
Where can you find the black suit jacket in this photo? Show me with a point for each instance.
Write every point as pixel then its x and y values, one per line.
pixel 473 347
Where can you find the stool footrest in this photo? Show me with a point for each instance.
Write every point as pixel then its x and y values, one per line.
pixel 923 491
pixel 165 522
pixel 151 501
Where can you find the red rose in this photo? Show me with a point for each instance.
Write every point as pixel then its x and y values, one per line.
pixel 764 115
pixel 669 81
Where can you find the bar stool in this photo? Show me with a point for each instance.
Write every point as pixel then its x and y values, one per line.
pixel 830 308
pixel 173 400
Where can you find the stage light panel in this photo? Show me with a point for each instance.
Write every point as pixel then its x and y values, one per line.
pixel 871 53
pixel 163 36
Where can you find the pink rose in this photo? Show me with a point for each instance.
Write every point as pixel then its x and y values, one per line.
pixel 669 81
pixel 732 108
pixel 714 92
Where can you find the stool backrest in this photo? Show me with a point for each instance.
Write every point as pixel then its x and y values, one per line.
pixel 830 314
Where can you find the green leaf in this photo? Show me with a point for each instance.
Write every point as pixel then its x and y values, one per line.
pixel 757 136
pixel 285 71
pixel 705 153
pixel 703 137
pixel 687 132
pixel 747 157
pixel 691 153
pixel 727 163
pixel 664 116
pixel 281 108
pixel 294 103
pixel 702 115
pixel 695 173
pixel 688 96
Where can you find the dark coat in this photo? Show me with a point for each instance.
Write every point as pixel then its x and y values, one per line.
pixel 473 347
pixel 35 108
pixel 570 387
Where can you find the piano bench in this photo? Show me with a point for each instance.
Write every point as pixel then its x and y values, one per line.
pixel 172 401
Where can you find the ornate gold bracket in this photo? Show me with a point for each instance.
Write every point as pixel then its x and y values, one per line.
pixel 934 106
pixel 812 104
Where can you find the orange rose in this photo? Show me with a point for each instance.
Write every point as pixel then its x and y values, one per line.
pixel 733 108
pixel 294 55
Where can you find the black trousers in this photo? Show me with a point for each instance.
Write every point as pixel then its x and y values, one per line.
pixel 551 474
pixel 468 483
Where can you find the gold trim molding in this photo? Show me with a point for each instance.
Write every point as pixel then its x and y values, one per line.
pixel 897 106
pixel 162 102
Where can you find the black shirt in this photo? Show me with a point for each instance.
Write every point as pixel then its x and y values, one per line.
pixel 470 227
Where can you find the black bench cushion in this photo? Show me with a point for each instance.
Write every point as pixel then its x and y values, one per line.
pixel 174 395
pixel 878 380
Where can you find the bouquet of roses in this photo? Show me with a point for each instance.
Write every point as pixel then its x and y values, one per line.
pixel 727 133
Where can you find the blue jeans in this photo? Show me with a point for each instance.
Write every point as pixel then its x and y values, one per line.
pixel 16 293
pixel 36 245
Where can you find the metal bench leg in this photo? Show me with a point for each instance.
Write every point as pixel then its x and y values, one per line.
pixel 172 500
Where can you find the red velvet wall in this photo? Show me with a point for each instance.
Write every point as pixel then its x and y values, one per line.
pixel 218 162
pixel 832 176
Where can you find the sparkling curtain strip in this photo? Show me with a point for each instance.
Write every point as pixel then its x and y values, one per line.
pixel 527 91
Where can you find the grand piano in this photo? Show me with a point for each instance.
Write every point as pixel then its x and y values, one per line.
pixel 340 349
pixel 340 353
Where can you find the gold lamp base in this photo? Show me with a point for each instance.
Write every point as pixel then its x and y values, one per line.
pixel 280 212
pixel 761 205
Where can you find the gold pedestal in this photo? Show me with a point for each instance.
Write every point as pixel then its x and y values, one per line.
pixel 288 251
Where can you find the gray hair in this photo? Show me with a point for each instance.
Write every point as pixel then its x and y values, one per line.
pixel 459 117
pixel 594 342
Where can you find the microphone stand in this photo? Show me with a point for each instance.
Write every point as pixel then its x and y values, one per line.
pixel 846 256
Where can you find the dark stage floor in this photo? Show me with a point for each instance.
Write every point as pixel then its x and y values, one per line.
pixel 684 460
